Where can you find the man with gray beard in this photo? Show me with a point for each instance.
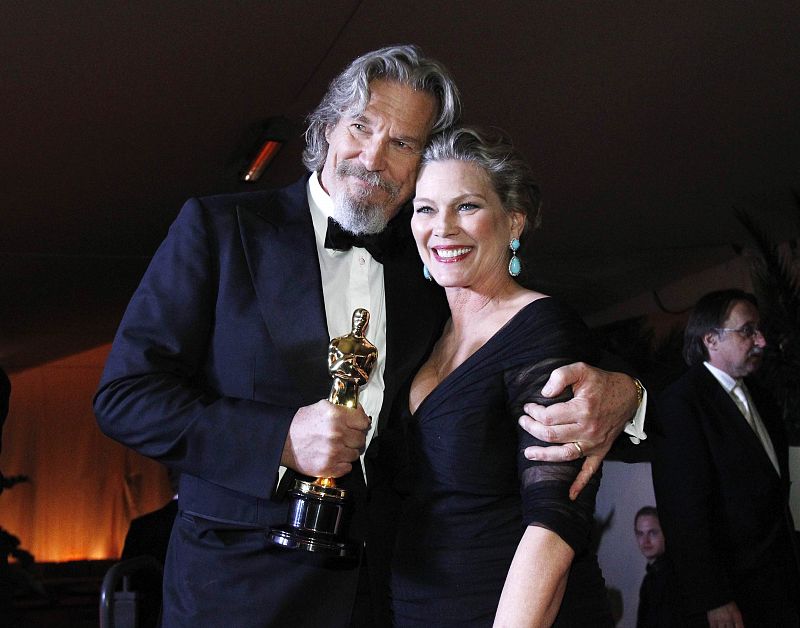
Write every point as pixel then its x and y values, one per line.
pixel 354 212
pixel 219 367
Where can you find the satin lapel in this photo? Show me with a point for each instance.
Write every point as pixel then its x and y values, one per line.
pixel 278 241
pixel 733 419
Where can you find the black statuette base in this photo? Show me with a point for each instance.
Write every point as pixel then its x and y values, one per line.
pixel 315 521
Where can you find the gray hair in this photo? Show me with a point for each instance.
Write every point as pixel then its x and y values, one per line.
pixel 492 150
pixel 349 93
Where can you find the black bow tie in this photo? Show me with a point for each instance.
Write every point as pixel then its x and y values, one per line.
pixel 341 240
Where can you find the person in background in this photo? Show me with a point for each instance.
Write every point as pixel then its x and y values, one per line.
pixel 660 604
pixel 721 475
pixel 148 535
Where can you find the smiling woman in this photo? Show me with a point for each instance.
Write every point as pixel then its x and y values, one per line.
pixel 474 499
pixel 460 225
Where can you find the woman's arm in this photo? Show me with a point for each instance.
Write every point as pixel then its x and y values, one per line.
pixel 536 580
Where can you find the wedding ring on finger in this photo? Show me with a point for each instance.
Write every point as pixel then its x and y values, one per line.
pixel 580 450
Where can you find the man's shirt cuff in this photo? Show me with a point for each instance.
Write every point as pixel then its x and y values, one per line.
pixel 635 427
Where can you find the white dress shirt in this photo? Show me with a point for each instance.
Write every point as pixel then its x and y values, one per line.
pixel 635 427
pixel 351 279
pixel 738 392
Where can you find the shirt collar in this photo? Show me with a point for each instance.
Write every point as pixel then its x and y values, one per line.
pixel 321 206
pixel 725 380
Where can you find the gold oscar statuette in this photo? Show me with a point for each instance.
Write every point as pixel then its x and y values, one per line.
pixel 317 508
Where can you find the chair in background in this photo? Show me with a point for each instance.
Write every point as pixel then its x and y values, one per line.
pixel 130 596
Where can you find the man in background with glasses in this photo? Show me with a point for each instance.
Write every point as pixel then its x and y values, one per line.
pixel 721 476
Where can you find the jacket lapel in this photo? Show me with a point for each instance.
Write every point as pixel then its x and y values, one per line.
pixel 415 310
pixel 278 240
pixel 770 416
pixel 733 419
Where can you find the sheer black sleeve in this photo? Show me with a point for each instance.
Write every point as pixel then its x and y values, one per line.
pixel 555 340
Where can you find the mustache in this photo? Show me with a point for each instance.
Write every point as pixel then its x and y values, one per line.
pixel 756 352
pixel 354 169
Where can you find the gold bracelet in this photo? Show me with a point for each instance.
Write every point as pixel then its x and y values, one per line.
pixel 639 391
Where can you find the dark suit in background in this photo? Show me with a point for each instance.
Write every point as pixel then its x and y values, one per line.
pixel 724 508
pixel 227 337
pixel 148 535
pixel 660 600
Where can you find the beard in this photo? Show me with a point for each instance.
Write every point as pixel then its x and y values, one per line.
pixel 355 211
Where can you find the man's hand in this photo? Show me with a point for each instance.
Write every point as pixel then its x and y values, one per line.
pixel 324 439
pixel 601 405
pixel 726 616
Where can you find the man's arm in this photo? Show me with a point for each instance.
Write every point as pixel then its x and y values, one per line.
pixel 154 397
pixel 603 404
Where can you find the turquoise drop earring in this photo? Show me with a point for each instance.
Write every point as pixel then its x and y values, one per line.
pixel 514 265
pixel 426 273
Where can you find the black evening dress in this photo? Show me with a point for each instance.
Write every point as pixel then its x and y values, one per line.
pixel 471 492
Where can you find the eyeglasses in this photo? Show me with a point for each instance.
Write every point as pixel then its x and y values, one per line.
pixel 747 330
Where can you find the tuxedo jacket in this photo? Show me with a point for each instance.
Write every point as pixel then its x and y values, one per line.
pixel 224 339
pixel 723 507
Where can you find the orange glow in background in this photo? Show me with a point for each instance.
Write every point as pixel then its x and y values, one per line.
pixel 84 488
